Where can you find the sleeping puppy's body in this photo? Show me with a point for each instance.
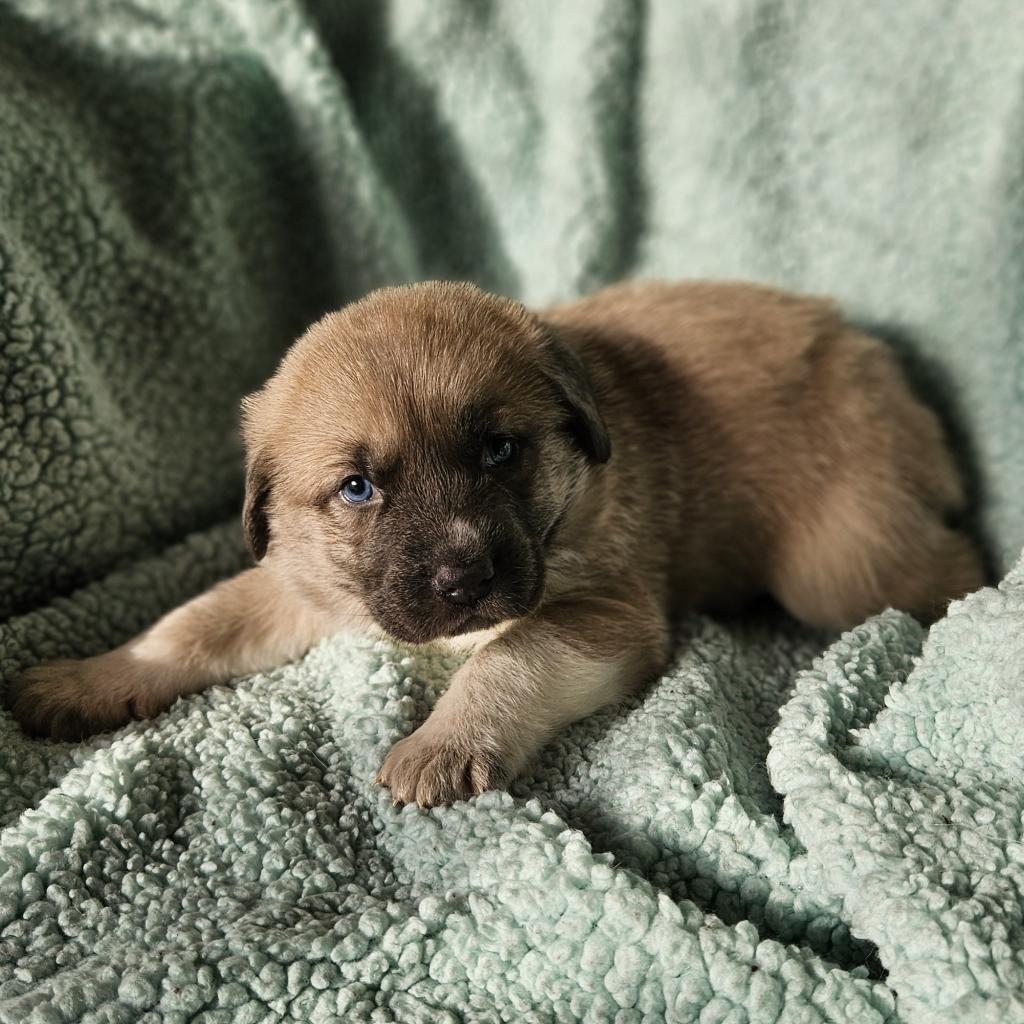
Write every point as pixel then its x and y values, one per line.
pixel 435 462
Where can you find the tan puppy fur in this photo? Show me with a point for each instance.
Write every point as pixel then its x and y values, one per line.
pixel 553 489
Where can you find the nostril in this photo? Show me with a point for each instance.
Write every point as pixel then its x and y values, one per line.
pixel 467 583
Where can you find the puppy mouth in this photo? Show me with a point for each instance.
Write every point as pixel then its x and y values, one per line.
pixel 472 623
pixel 437 623
pixel 426 630
pixel 494 610
pixel 485 614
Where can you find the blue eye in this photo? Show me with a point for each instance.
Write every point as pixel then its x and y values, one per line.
pixel 356 489
pixel 499 449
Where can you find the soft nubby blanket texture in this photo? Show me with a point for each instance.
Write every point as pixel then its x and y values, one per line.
pixel 787 827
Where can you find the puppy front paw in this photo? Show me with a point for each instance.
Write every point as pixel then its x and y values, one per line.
pixel 70 700
pixel 431 768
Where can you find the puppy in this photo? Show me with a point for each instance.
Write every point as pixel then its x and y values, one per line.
pixel 435 462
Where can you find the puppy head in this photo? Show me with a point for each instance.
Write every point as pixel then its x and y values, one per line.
pixel 416 451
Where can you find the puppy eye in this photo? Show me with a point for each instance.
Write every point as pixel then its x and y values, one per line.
pixel 499 449
pixel 356 490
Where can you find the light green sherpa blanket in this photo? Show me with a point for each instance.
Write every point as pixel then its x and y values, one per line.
pixel 787 827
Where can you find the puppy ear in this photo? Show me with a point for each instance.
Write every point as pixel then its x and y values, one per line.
pixel 254 515
pixel 255 524
pixel 569 374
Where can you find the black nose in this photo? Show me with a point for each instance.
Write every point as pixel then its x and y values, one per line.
pixel 465 584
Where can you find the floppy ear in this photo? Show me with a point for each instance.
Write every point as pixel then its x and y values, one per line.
pixel 255 524
pixel 254 514
pixel 568 373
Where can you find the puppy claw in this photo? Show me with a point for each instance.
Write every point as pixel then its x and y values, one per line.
pixel 434 771
pixel 68 700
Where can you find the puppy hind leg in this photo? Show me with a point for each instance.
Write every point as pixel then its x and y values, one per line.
pixel 854 562
pixel 954 569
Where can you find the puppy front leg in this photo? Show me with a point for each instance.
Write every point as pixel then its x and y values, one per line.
pixel 547 670
pixel 245 624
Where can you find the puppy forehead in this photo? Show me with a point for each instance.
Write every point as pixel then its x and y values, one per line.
pixel 388 382
pixel 390 420
pixel 409 363
pixel 413 335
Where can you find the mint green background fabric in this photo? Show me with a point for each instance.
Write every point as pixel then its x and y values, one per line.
pixel 766 835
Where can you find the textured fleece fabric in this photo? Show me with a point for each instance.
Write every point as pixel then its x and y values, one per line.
pixel 786 827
